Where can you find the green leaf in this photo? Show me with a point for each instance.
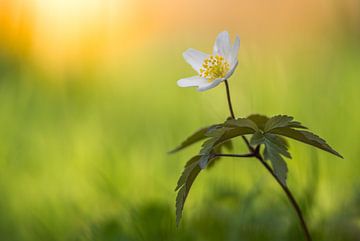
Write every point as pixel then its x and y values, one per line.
pixel 187 169
pixel 195 137
pixel 238 125
pixel 305 137
pixel 211 144
pixel 259 120
pixel 279 121
pixel 187 178
pixel 218 136
pixel 275 148
pixel 277 143
pixel 227 145
pixel 235 132
pixel 215 135
pixel 277 162
pixel 242 122
pixel 257 139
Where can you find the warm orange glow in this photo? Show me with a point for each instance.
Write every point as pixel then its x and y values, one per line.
pixel 56 34
pixel 67 30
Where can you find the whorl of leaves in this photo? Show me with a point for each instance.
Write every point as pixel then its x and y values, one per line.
pixel 264 131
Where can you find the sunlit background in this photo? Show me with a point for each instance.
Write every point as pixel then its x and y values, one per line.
pixel 89 108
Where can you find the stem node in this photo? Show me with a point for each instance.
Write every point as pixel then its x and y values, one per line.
pixel 255 152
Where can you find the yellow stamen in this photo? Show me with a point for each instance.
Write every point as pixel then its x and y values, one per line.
pixel 214 67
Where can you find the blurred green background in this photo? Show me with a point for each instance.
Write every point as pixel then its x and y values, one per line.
pixel 89 108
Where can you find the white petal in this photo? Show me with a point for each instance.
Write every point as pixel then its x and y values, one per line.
pixel 231 71
pixel 192 81
pixel 213 84
pixel 222 45
pixel 232 58
pixel 195 58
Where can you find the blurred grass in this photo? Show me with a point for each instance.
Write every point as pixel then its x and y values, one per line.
pixel 86 159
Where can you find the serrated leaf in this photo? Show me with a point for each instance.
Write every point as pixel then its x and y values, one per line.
pixel 228 145
pixel 275 148
pixel 242 122
pixel 218 137
pixel 279 121
pixel 259 120
pixel 305 137
pixel 187 169
pixel 257 139
pixel 195 137
pixel 296 124
pixel 215 135
pixel 277 143
pixel 185 182
pixel 204 160
pixel 210 144
pixel 277 162
pixel 234 132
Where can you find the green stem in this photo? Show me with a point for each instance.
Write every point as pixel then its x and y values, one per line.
pixel 289 195
pixel 229 99
pixel 234 155
pixel 255 152
pixel 251 149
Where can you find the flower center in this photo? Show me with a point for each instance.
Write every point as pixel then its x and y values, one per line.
pixel 214 67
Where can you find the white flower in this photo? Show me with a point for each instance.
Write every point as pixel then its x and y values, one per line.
pixel 215 68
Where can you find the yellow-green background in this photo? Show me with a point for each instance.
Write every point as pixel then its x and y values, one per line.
pixel 89 107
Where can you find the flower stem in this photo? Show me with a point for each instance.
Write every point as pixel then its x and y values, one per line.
pixel 255 152
pixel 229 99
pixel 289 195
pixel 251 149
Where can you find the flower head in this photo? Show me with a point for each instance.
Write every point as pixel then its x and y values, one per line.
pixel 215 68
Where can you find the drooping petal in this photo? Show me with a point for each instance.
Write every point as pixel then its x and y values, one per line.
pixel 195 58
pixel 233 55
pixel 213 84
pixel 231 71
pixel 222 45
pixel 192 81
